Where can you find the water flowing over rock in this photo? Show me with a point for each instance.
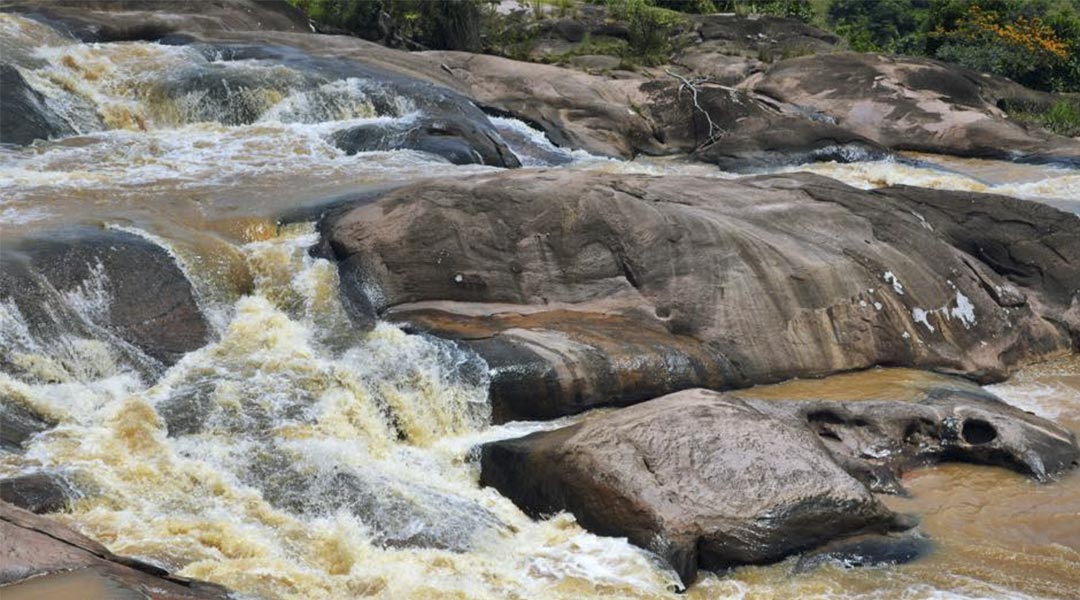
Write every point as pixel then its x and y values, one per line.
pixel 33 546
pixel 25 117
pixel 753 281
pixel 87 295
pixel 712 481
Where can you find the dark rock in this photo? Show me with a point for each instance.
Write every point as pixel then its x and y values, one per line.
pixel 702 480
pixel 34 547
pixel 18 423
pixel 764 37
pixel 25 117
pixel 459 142
pixel 41 492
pixel 99 284
pixel 659 284
pixel 867 551
pixel 547 364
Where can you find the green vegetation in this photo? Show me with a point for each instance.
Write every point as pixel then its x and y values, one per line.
pixel 1034 42
pixel 414 24
pixel 1061 117
pixel 651 30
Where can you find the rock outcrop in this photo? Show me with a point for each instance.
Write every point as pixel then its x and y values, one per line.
pixel 824 106
pixel 586 288
pixel 36 550
pixel 709 480
pixel 914 104
pixel 102 286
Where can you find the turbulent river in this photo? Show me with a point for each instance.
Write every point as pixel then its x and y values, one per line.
pixel 305 487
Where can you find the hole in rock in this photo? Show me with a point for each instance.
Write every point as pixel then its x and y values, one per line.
pixel 977 431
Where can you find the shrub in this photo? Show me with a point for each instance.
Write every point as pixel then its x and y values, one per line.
pixel 1063 118
pixel 651 30
pixel 1021 48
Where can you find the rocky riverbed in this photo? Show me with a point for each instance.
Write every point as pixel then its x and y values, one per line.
pixel 295 315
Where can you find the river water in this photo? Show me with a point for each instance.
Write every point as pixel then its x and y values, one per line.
pixel 327 466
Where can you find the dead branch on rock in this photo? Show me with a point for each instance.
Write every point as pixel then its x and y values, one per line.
pixel 714 129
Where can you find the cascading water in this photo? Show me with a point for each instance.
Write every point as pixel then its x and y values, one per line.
pixel 297 457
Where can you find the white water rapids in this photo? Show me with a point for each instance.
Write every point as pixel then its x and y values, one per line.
pixel 293 458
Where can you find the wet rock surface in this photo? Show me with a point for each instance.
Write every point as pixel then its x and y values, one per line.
pixel 102 285
pixel 37 547
pixel 40 492
pixel 18 423
pixel 25 117
pixel 754 281
pixel 710 480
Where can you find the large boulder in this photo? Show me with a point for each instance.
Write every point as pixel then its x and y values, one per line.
pixel 701 480
pixel 34 549
pixel 70 291
pixel 26 117
pixel 914 104
pixel 752 281
pixel 708 480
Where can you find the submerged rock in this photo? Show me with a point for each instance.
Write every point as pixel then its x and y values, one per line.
pixel 867 551
pixel 33 548
pixel 710 480
pixel 588 288
pixel 459 141
pixel 40 492
pixel 19 423
pixel 26 117
pixel 74 291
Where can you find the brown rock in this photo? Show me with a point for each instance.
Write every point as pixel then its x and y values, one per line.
pixel 700 479
pixel 714 480
pixel 914 104
pixel 770 277
pixel 36 547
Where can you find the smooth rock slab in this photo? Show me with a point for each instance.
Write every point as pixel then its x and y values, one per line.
pixel 758 280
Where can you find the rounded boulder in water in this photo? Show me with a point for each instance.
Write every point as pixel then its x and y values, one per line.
pixel 25 117
pixel 99 286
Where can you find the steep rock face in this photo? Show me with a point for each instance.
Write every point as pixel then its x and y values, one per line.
pixel 913 104
pixel 36 547
pixel 97 284
pixel 715 480
pixel 756 280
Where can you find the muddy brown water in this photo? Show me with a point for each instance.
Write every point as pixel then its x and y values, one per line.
pixel 279 390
